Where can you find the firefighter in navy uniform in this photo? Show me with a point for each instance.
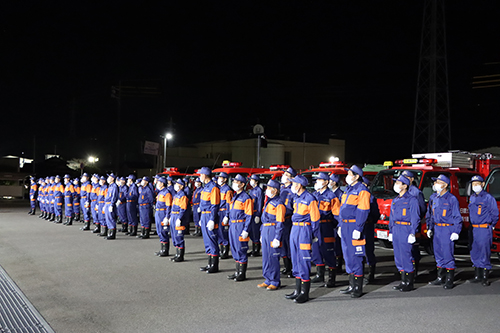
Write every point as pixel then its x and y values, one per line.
pixel 110 206
pixel 226 195
pixel 94 194
pixel 33 195
pixel 179 220
pixel 69 190
pixel 286 196
pixel 305 231
pixel 209 205
pixel 85 201
pixel 444 224
pixel 145 201
pixel 76 199
pixel 483 216
pixel 369 232
pixel 59 199
pixel 323 251
pixel 162 215
pixel 101 200
pixel 131 197
pixel 415 191
pixel 257 194
pixel 122 204
pixel 195 207
pixel 403 226
pixel 273 217
pixel 354 210
pixel 334 185
pixel 240 215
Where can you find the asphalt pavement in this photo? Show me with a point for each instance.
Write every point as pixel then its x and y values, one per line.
pixel 80 282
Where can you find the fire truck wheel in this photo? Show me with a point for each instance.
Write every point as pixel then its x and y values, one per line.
pixel 429 248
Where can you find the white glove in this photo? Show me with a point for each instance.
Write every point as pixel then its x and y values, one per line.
pixel 429 233
pixel 411 238
pixel 224 220
pixel 257 220
pixel 178 223
pixel 260 239
pixel 86 205
pixel 244 234
pixel 52 202
pixel 454 237
pixel 110 209
pixel 210 225
pixel 356 234
pixel 315 239
pixel 199 210
pixel 390 237
pixel 164 222
pixel 275 243
pixel 339 232
pixel 118 202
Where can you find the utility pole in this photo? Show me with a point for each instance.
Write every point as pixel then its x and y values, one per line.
pixel 431 127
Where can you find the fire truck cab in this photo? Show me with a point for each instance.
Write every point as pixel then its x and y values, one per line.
pixel 460 167
pixel 274 172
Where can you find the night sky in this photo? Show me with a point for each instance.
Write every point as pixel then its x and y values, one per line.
pixel 328 69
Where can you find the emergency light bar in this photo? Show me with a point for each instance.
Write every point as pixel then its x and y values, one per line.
pixel 331 164
pixel 278 167
pixel 426 161
pixel 171 169
pixel 231 164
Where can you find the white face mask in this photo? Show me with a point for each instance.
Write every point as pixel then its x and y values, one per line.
pixel 437 188
pixel 269 193
pixel 349 179
pixel 396 188
pixel 253 183
pixel 220 181
pixel 176 187
pixel 294 189
pixel 235 187
pixel 197 185
pixel 318 186
pixel 477 188
pixel 284 179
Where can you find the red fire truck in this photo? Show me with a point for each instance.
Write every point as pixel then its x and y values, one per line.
pixel 339 168
pixel 234 168
pixel 173 172
pixel 274 172
pixel 458 166
pixel 493 187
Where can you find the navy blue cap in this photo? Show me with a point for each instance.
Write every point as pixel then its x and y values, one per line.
pixel 121 178
pixel 65 176
pixel 322 175
pixel 131 177
pixel 255 177
pixel 357 170
pixel 103 178
pixel 52 177
pixel 335 178
pixel 162 180
pixel 408 174
pixel 442 178
pixel 180 182
pixel 274 184
pixel 223 175
pixel 403 180
pixel 291 171
pixel 240 178
pixel 301 180
pixel 477 178
pixel 205 171
pixel 112 175
pixel 76 180
pixel 197 180
pixel 169 178
pixel 146 178
pixel 85 175
pixel 95 175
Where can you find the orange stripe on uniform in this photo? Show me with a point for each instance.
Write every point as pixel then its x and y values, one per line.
pixel 305 246
pixel 324 206
pixel 364 200
pixel 358 242
pixel 249 207
pixel 335 206
pixel 329 239
pixel 215 196
pixel 280 213
pixel 314 211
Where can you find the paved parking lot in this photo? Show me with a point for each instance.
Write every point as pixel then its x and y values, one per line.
pixel 82 283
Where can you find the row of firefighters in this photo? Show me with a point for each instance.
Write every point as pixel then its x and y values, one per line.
pixel 284 220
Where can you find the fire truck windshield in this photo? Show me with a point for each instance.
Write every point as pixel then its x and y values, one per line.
pixel 382 184
pixel 493 184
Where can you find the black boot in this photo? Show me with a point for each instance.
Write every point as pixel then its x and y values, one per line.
pixel 86 227
pixel 180 256
pixel 441 273
pixel 477 276
pixel 53 217
pixel 320 274
pixel 297 291
pixel 176 254
pixel 304 292
pixel 332 274
pixel 104 231
pixel 41 215
pixel 58 219
pixel 256 250
pixel 350 288
pixel 484 275
pixel 409 278
pixel 48 216
pixel 371 274
pixel 224 252
pixel 143 230
pixel 242 274
pixel 287 271
pixel 146 233
pixel 401 283
pixel 70 221
pixel 65 220
pixel 111 234
pixel 206 268
pixel 339 265
pixel 214 268
pixel 97 229
pixel 450 275
pixel 77 217
pixel 125 228
pixel 133 231
pixel 165 250
pixel 235 274
pixel 358 287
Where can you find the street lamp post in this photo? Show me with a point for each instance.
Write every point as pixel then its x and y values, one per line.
pixel 166 137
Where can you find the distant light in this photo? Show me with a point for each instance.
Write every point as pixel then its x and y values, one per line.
pixel 93 159
pixel 169 136
pixel 334 159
